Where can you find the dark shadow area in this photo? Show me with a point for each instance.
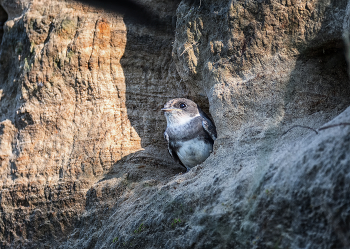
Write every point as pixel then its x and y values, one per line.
pixel 150 80
pixel 319 82
pixel 15 46
pixel 3 19
pixel 139 13
pixel 135 12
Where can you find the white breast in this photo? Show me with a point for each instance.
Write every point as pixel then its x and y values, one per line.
pixel 194 152
pixel 179 120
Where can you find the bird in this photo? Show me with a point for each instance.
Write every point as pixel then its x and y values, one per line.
pixel 190 133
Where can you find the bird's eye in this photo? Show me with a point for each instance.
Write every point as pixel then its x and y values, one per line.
pixel 183 105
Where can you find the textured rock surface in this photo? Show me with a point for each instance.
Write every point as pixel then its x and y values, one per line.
pixel 83 163
pixel 76 98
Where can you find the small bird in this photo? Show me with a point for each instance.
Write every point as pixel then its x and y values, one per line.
pixel 190 133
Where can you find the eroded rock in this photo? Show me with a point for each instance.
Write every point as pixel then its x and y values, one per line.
pixel 76 100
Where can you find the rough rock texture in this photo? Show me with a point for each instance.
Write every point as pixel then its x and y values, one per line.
pixel 80 91
pixel 83 163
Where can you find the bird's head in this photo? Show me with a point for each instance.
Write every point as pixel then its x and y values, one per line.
pixel 179 111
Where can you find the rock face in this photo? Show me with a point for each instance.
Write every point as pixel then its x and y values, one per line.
pixel 83 162
pixel 76 99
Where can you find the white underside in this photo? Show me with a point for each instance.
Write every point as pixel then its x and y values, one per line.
pixel 179 120
pixel 194 152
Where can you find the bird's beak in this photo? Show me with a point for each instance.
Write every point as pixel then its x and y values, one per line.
pixel 168 109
